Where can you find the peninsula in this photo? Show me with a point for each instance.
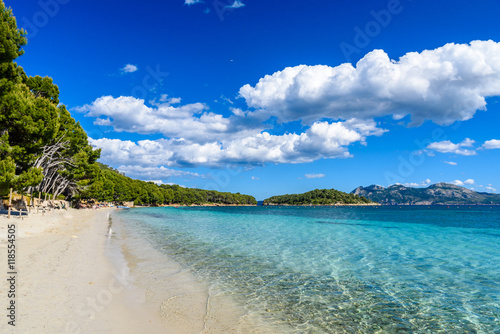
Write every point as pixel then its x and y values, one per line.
pixel 319 197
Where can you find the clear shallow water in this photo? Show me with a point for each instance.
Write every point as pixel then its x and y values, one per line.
pixel 343 270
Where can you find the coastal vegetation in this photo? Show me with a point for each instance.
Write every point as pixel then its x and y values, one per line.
pixel 318 197
pixel 43 150
pixel 112 186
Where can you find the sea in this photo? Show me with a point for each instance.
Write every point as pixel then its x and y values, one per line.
pixel 377 269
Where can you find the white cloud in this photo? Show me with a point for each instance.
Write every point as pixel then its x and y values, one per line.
pixel 424 183
pixel 314 176
pixel 236 4
pixel 255 178
pixel 443 85
pixel 447 146
pixel 164 100
pixel 195 136
pixel 463 183
pixel 129 68
pixel 467 142
pixel 321 140
pixel 237 112
pixel 192 2
pixel 490 188
pixel 450 163
pixel 190 121
pixel 491 144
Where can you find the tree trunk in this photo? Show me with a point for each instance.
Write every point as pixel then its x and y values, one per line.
pixel 10 203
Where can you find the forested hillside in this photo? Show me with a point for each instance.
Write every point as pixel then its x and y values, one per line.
pixel 112 186
pixel 317 197
pixel 44 150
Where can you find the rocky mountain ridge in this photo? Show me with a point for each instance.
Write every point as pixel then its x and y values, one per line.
pixel 436 194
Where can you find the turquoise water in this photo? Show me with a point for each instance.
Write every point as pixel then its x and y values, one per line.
pixel 345 269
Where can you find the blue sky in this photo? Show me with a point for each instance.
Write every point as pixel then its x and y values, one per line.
pixel 273 97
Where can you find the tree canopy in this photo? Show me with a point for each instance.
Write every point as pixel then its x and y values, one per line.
pixel 112 186
pixel 317 197
pixel 41 146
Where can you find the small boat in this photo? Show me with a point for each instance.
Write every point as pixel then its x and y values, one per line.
pixel 122 207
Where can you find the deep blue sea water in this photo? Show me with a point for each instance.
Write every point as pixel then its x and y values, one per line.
pixel 343 269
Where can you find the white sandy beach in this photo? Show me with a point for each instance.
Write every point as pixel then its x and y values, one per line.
pixel 71 279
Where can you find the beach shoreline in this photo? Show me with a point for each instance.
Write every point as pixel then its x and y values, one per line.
pixel 65 283
pixel 184 302
pixel 79 272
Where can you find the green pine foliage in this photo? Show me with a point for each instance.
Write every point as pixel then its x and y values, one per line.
pixel 317 197
pixel 42 148
pixel 112 186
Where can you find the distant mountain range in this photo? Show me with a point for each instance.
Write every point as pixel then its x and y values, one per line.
pixel 436 194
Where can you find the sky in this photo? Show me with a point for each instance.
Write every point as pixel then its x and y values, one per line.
pixel 274 97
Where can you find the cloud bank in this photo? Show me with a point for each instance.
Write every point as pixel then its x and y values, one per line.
pixel 321 140
pixel 443 85
pixel 337 106
pixel 128 114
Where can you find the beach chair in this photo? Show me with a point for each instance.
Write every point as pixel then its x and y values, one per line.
pixel 21 205
pixel 19 208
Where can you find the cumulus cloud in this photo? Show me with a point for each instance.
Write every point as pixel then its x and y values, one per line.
pixel 450 163
pixel 314 176
pixel 336 104
pixel 321 140
pixel 129 68
pixel 255 178
pixel 443 85
pixel 490 188
pixel 491 144
pixel 463 183
pixel 193 135
pixel 447 146
pixel 190 121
